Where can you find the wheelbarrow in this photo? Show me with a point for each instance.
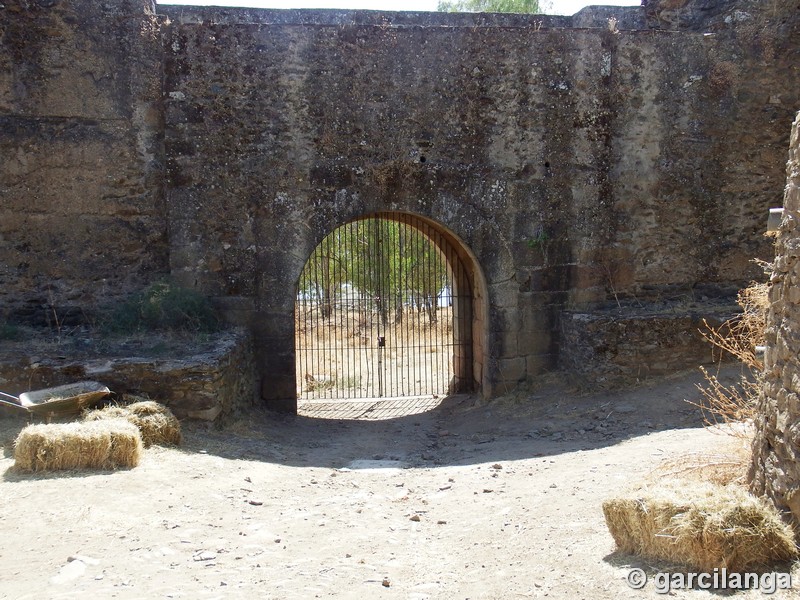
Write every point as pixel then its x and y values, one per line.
pixel 58 401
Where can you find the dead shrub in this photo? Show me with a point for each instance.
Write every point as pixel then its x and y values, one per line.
pixel 727 467
pixel 739 337
pixel 106 444
pixel 155 422
pixel 703 526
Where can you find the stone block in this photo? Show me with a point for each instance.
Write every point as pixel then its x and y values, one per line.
pixel 512 370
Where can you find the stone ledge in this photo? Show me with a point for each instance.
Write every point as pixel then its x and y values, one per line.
pixel 614 348
pixel 209 385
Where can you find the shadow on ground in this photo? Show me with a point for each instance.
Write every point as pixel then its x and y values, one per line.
pixel 462 429
pixel 459 430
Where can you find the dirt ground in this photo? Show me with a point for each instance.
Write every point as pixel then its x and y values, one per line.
pixel 466 500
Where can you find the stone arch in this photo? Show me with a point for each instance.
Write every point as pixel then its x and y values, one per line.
pixel 469 295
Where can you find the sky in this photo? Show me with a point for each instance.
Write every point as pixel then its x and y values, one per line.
pixel 557 7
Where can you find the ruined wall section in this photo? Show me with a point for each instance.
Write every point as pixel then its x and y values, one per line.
pixel 276 134
pixel 698 138
pixel 775 470
pixel 685 212
pixel 81 213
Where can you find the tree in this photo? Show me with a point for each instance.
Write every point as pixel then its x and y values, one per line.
pixel 391 264
pixel 501 6
pixel 325 272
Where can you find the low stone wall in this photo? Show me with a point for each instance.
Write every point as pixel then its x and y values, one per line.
pixel 210 385
pixel 775 471
pixel 620 347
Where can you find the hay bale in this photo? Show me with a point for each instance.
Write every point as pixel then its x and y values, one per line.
pixel 106 444
pixel 155 421
pixel 107 412
pixel 701 525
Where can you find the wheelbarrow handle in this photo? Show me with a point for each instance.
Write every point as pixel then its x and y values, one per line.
pixel 14 404
pixel 10 396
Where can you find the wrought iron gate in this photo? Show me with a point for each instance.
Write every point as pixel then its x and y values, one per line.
pixel 382 310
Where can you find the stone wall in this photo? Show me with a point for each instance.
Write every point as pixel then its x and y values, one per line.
pixel 81 201
pixel 216 382
pixel 775 471
pixel 578 164
pixel 624 346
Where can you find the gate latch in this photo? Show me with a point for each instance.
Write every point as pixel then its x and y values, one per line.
pixel 381 341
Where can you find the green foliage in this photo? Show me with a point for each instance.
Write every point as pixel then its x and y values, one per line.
pixel 164 306
pixel 349 383
pixel 388 262
pixel 539 240
pixel 10 332
pixel 500 6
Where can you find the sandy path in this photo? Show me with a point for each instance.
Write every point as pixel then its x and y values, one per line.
pixel 468 501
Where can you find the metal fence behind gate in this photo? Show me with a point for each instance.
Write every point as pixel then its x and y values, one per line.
pixel 378 312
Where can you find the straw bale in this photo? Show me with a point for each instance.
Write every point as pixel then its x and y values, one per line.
pixel 106 444
pixel 701 525
pixel 155 421
pixel 108 412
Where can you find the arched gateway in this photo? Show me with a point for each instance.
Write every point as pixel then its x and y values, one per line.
pixel 389 305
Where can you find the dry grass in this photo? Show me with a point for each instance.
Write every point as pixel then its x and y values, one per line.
pixel 337 357
pixel 703 526
pixel 107 444
pixel 727 467
pixel 156 423
pixel 738 337
pixel 741 335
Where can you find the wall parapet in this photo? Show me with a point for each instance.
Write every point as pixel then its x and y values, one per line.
pixel 590 17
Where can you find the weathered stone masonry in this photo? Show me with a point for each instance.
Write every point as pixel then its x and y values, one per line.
pixel 776 463
pixel 585 168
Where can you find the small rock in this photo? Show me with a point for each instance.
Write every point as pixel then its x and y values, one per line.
pixel 386 582
pixel 84 559
pixel 441 522
pixel 497 466
pixel 255 502
pixel 415 518
pixel 487 491
pixel 204 556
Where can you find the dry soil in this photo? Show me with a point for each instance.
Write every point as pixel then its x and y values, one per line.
pixel 464 500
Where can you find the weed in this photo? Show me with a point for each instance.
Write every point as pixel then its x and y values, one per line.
pixel 738 337
pixel 349 382
pixel 164 306
pixel 10 332
pixel 539 240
